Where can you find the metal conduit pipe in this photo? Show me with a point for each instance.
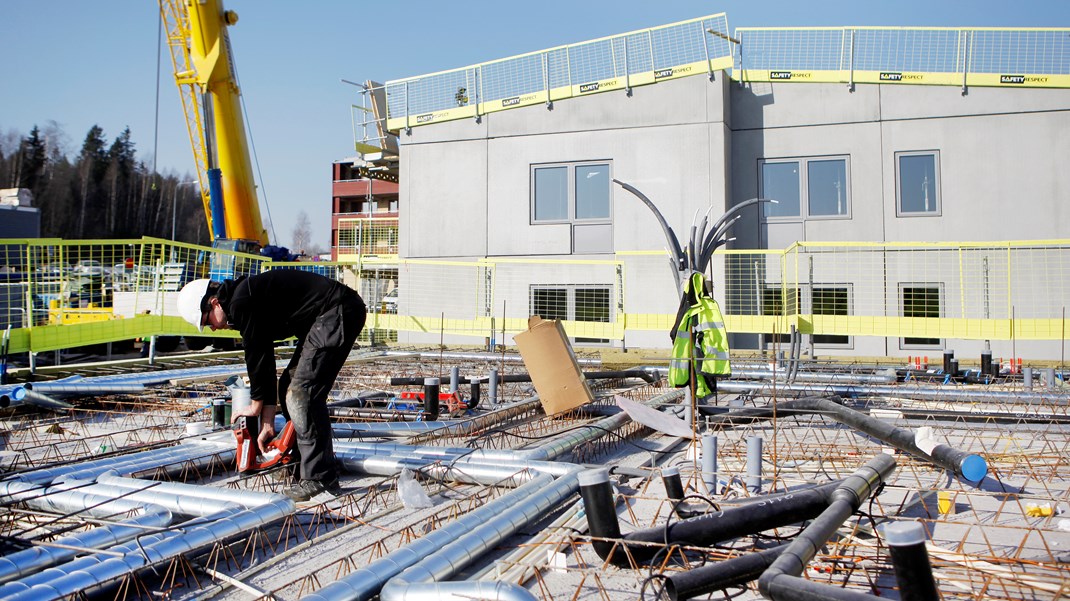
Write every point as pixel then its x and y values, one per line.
pixel 969 466
pixel 90 572
pixel 455 591
pixel 177 494
pixel 767 512
pixel 30 561
pixel 453 556
pixel 489 357
pixel 133 462
pixel 781 580
pixel 93 571
pixel 365 583
pixel 83 388
pixel 920 393
pixel 67 499
pixel 472 469
pixel 888 377
pixel 451 428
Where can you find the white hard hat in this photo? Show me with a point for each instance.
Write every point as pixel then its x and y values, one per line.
pixel 189 302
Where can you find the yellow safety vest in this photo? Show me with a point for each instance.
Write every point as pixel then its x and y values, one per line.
pixel 701 342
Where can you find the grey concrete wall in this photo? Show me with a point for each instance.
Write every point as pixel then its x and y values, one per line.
pixel 693 146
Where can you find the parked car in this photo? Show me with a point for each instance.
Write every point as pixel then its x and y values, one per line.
pixel 88 267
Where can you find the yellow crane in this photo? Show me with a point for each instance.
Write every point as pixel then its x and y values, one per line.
pixel 211 101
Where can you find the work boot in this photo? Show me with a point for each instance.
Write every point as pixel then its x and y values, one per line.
pixel 305 490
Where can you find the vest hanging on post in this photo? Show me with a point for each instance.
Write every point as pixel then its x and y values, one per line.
pixel 700 340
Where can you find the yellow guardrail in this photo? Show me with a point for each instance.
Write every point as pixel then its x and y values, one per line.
pixel 979 56
pixel 57 294
pixel 642 57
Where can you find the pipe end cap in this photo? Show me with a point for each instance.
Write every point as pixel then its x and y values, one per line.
pixel 902 534
pixel 974 468
pixel 593 477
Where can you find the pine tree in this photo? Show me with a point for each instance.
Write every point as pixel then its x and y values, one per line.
pixel 32 162
pixel 92 165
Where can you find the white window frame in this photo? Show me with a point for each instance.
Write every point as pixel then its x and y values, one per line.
pixel 900 300
pixel 939 208
pixel 849 344
pixel 570 305
pixel 804 188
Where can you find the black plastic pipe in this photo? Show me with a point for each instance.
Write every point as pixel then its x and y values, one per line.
pixel 764 513
pixel 473 400
pixel 430 399
pixel 780 581
pixel 674 489
pixel 645 375
pixel 720 575
pixel 969 466
pixel 597 495
pixel 913 572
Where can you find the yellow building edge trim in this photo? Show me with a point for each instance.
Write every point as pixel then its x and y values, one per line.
pixel 1018 80
pixel 908 78
pixel 791 75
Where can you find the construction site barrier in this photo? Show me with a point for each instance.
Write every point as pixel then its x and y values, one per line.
pixel 57 294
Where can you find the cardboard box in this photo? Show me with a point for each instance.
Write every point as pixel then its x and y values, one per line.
pixel 552 366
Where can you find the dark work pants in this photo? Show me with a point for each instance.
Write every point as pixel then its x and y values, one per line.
pixel 308 379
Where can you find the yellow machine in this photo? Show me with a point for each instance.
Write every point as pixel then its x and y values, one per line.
pixel 204 73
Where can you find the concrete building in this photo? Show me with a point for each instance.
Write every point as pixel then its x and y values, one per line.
pixel 891 164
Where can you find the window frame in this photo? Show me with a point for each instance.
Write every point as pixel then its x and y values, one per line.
pixel 571 218
pixel 804 188
pixel 849 289
pixel 914 342
pixel 939 210
pixel 773 301
pixel 570 291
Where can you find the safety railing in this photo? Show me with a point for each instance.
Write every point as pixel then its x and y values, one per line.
pixel 1006 57
pixel 696 46
pixel 358 236
pixel 57 294
pixel 1034 57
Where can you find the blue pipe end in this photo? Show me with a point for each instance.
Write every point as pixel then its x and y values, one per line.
pixel 18 393
pixel 973 468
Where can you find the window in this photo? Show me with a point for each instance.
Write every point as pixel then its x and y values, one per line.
pixel 573 303
pixel 576 194
pixel 917 179
pixel 920 301
pixel 776 300
pixel 829 300
pixel 554 199
pixel 820 186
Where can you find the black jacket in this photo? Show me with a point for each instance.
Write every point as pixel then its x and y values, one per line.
pixel 275 305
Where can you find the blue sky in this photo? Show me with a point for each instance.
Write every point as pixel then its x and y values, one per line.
pixel 81 63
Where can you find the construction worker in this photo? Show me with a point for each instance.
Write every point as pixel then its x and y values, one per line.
pixel 325 316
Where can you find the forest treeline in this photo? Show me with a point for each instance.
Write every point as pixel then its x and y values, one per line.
pixel 103 192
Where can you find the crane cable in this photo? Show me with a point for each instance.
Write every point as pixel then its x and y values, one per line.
pixel 252 146
pixel 156 124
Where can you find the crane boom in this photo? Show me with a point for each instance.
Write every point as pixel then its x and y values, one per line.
pixel 211 102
